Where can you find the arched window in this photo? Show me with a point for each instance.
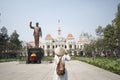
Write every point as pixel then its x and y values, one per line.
pixel 70 46
pixel 48 46
pixel 81 46
pixel 75 46
pixel 65 46
pixel 53 46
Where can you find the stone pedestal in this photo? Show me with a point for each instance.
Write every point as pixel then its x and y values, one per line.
pixel 39 52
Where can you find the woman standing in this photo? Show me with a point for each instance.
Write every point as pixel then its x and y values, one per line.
pixel 60 53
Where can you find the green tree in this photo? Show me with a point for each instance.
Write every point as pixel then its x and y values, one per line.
pixel 116 22
pixel 99 31
pixel 109 36
pixel 3 39
pixel 15 43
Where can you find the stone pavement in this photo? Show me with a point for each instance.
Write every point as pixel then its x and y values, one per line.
pixel 76 71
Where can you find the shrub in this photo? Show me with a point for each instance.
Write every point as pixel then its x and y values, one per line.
pixel 110 64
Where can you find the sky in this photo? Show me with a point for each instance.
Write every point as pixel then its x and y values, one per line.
pixel 76 16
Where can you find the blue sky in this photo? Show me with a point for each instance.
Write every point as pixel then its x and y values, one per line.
pixel 76 16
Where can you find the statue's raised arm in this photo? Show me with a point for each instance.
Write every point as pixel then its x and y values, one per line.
pixel 31 25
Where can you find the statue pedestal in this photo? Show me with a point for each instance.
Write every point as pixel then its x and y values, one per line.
pixel 35 55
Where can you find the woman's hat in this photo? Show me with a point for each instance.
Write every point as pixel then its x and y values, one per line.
pixel 60 51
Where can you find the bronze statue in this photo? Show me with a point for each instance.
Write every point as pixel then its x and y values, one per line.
pixel 37 33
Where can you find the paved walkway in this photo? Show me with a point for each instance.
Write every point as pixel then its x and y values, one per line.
pixel 76 71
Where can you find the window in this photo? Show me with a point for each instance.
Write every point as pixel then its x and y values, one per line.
pixel 75 46
pixel 65 46
pixel 81 46
pixel 70 46
pixel 53 46
pixel 48 46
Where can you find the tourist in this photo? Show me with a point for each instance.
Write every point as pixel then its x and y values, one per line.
pixel 60 53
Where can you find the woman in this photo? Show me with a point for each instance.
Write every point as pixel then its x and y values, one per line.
pixel 60 53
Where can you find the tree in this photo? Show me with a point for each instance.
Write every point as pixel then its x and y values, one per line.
pixel 14 41
pixel 3 39
pixel 99 31
pixel 109 36
pixel 116 22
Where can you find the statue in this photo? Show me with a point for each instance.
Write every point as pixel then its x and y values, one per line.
pixel 37 33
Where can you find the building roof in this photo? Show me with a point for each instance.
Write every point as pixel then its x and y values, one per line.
pixel 48 36
pixel 84 41
pixel 70 36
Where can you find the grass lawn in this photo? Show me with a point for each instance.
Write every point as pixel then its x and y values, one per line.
pixel 48 58
pixel 8 60
pixel 24 59
pixel 111 64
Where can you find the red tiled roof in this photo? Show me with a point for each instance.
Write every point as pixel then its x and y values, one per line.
pixel 83 41
pixel 70 36
pixel 48 36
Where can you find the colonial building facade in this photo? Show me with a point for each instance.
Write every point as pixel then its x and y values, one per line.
pixel 71 46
